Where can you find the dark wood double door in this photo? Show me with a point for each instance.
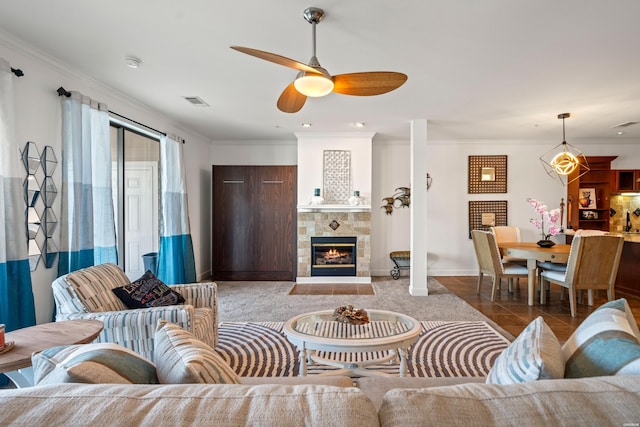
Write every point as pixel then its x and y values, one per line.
pixel 254 222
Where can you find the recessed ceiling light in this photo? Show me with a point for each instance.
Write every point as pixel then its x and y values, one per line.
pixel 306 125
pixel 359 124
pixel 132 61
pixel 620 132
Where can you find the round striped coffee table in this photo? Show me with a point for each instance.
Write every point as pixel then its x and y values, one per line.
pixel 387 332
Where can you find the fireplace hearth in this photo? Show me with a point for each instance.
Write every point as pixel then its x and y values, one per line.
pixel 333 256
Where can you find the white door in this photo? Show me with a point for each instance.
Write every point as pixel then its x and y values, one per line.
pixel 140 215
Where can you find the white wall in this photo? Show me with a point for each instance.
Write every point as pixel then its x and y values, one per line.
pixel 450 251
pixel 311 147
pixel 38 119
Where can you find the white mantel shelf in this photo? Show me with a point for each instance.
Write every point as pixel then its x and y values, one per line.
pixel 334 208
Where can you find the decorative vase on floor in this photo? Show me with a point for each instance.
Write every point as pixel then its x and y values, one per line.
pixel 545 243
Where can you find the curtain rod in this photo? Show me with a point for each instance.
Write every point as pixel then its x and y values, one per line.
pixel 17 71
pixel 62 91
pixel 138 123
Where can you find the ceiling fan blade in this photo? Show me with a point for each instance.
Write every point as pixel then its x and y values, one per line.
pixel 291 101
pixel 272 57
pixel 368 83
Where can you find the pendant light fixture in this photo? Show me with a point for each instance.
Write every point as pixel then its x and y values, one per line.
pixel 564 162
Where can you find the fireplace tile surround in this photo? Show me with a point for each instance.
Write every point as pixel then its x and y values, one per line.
pixel 316 224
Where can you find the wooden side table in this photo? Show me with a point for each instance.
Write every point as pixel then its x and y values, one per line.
pixel 16 363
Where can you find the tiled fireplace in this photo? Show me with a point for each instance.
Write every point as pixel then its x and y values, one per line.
pixel 319 224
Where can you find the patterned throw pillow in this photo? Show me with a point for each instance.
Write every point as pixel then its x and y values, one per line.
pixel 102 363
pixel 606 343
pixel 181 358
pixel 147 291
pixel 535 355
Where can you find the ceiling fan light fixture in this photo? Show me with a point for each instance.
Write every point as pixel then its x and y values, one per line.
pixel 313 85
pixel 563 160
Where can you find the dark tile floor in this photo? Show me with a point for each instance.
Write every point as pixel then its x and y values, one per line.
pixel 511 312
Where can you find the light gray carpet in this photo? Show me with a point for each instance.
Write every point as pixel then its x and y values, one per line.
pixel 270 302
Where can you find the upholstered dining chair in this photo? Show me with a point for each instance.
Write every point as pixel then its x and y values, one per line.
pixel 87 294
pixel 508 233
pixel 592 265
pixel 562 267
pixel 490 262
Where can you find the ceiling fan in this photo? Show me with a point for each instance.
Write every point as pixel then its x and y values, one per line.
pixel 315 81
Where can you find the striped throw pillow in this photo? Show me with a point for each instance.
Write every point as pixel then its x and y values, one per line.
pixel 102 363
pixel 535 355
pixel 181 358
pixel 606 343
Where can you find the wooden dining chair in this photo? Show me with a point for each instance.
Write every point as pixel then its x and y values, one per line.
pixel 592 265
pixel 490 263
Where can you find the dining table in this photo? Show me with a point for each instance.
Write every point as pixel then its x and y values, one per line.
pixel 533 253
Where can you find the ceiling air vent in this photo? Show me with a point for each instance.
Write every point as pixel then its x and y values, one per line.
pixel 197 101
pixel 625 124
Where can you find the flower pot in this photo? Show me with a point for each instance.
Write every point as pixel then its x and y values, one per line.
pixel 545 243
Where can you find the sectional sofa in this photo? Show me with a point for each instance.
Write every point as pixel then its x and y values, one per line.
pixel 597 401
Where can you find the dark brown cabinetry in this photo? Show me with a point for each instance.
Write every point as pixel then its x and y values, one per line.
pixel 253 222
pixel 597 180
pixel 629 270
pixel 625 181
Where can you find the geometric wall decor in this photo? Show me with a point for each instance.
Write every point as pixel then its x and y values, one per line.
pixel 487 213
pixel 336 176
pixel 39 194
pixel 487 174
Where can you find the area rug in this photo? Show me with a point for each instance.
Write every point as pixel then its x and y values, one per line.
pixel 444 349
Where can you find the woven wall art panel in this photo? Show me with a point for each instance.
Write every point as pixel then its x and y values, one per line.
pixel 337 176
pixel 479 207
pixel 499 182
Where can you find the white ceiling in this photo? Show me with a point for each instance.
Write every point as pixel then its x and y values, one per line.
pixel 478 69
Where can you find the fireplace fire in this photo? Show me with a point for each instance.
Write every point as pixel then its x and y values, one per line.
pixel 333 256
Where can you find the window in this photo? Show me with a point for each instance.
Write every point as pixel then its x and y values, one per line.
pixel 135 159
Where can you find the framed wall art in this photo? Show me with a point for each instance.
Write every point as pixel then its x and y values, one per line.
pixel 587 198
pixel 487 174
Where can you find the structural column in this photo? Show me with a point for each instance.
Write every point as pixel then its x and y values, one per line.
pixel 418 277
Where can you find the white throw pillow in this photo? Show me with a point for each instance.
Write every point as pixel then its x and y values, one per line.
pixel 535 355
pixel 181 358
pixel 101 363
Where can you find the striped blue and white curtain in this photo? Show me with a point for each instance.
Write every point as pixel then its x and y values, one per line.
pixel 16 295
pixel 176 262
pixel 88 231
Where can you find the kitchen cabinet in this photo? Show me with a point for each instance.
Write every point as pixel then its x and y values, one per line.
pixel 629 270
pixel 598 179
pixel 625 181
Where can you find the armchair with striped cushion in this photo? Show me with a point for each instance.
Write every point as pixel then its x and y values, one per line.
pixel 87 294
